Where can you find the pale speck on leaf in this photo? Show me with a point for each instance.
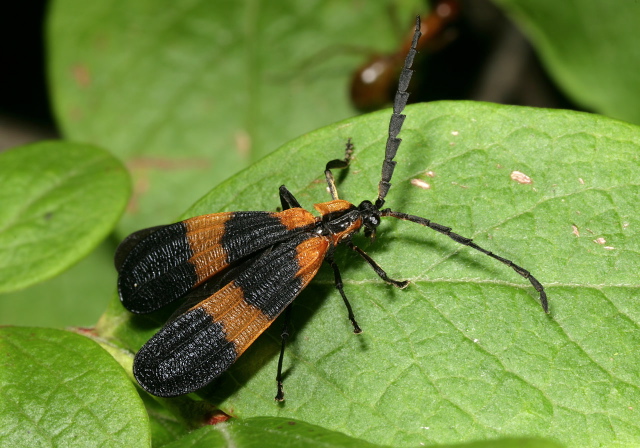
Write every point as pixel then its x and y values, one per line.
pixel 520 177
pixel 420 184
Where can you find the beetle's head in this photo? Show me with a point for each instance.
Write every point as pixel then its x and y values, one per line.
pixel 370 218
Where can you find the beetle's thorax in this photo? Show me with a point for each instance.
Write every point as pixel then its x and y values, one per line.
pixel 340 219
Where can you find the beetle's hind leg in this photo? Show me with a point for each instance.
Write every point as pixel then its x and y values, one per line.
pixel 283 337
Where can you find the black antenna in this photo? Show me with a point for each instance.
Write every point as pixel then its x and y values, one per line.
pixel 395 125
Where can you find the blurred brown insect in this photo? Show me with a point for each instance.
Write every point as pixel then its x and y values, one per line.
pixel 374 83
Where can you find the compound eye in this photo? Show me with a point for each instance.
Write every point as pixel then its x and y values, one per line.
pixel 373 221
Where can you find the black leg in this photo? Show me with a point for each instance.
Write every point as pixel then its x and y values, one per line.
pixel 469 242
pixel 337 164
pixel 287 199
pixel 284 336
pixel 338 280
pixel 383 275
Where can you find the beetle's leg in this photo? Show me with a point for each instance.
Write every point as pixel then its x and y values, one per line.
pixel 283 336
pixel 287 199
pixel 383 275
pixel 338 280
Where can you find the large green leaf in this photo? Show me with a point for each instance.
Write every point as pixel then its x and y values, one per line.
pixel 61 389
pixel 180 89
pixel 266 432
pixel 189 92
pixel 59 200
pixel 465 352
pixel 590 47
pixel 272 431
pixel 75 298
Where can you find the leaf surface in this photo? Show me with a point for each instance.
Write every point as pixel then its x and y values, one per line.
pixel 189 93
pixel 466 350
pixel 59 201
pixel 590 48
pixel 281 432
pixel 61 389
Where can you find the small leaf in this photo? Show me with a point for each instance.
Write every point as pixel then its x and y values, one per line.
pixel 591 49
pixel 59 200
pixel 61 389
pixel 465 352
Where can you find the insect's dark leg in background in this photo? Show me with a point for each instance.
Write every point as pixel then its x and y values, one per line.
pixel 469 242
pixel 337 164
pixel 288 201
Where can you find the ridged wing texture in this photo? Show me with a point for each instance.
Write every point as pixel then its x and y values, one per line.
pixel 196 347
pixel 171 261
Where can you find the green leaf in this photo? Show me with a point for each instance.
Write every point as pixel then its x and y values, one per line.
pixel 61 389
pixel 59 200
pixel 283 433
pixel 80 294
pixel 272 431
pixel 465 352
pixel 188 93
pixel 591 49
pixel 267 431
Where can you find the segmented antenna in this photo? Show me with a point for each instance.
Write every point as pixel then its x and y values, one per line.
pixel 395 125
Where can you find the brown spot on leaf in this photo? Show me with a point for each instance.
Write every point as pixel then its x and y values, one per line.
pixel 575 231
pixel 140 167
pixel 243 143
pixel 81 75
